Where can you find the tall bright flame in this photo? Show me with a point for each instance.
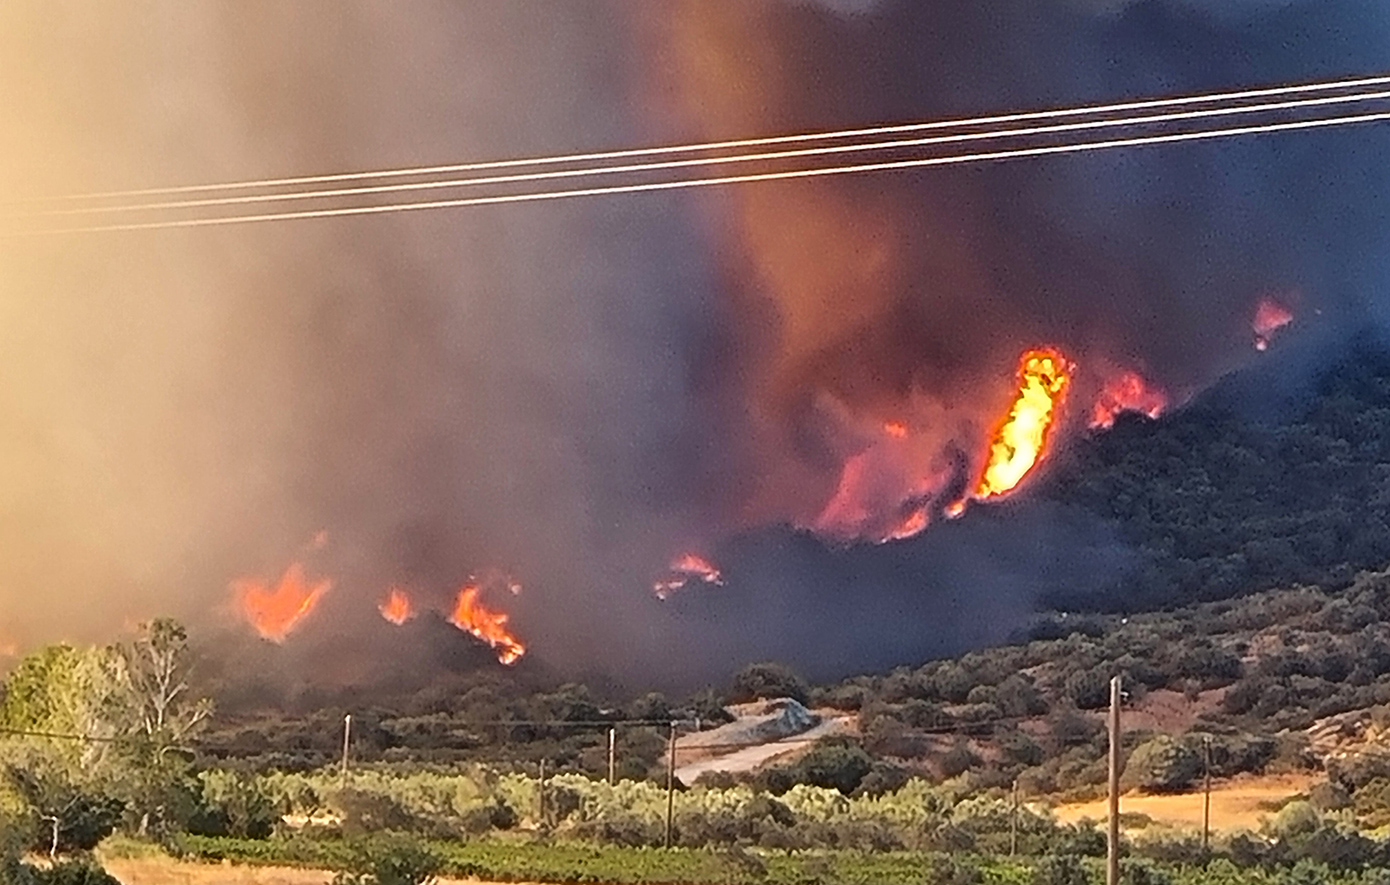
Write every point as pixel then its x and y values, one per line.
pixel 1043 376
pixel 487 624
pixel 396 608
pixel 276 611
pixel 1127 392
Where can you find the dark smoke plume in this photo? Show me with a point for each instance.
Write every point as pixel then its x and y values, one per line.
pixel 576 392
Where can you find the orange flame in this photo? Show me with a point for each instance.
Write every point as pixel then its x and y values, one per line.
pixel 1270 317
pixel 1127 392
pixel 684 569
pixel 396 608
pixel 1020 441
pixel 912 524
pixel 276 612
pixel 487 624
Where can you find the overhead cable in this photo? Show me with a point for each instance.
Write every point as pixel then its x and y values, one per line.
pixel 903 128
pixel 689 183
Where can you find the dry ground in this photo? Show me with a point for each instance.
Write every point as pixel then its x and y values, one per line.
pixel 1237 804
pixel 167 871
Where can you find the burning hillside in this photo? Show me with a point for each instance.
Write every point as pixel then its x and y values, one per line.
pixel 777 378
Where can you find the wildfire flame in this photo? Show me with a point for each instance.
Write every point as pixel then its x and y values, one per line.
pixel 912 524
pixel 1127 392
pixel 489 625
pixel 276 612
pixel 396 608
pixel 1270 317
pixel 1020 441
pixel 683 570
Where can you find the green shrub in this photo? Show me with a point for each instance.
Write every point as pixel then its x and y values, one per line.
pixel 1162 765
pixel 391 862
pixel 1061 869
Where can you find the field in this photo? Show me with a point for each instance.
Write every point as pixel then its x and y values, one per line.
pixel 1238 804
pixel 168 871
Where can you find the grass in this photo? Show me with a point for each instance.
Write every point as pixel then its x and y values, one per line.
pixel 562 862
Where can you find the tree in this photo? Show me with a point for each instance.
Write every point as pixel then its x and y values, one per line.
pixel 1162 765
pixel 74 692
pixel 834 762
pixel 161 713
pixel 156 669
pixel 71 819
pixel 768 680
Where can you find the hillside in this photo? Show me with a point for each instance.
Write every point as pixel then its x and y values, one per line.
pixel 1270 479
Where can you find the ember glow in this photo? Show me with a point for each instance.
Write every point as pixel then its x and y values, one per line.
pixel 276 611
pixel 396 607
pixel 1127 392
pixel 686 568
pixel 1270 317
pixel 914 523
pixel 488 624
pixel 1021 440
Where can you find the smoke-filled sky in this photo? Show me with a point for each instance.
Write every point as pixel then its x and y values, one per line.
pixel 576 391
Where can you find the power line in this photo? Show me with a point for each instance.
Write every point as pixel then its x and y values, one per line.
pixel 683 184
pixel 870 147
pixel 1016 117
pixel 104 739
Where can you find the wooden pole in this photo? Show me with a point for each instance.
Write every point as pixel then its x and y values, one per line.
pixel 540 796
pixel 1206 793
pixel 347 736
pixel 612 756
pixel 1013 821
pixel 670 782
pixel 1112 842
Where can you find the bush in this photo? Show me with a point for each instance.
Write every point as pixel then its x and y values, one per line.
pixel 836 763
pixel 1162 765
pixel 768 680
pixel 83 822
pixel 232 804
pixel 1061 869
pixel 394 862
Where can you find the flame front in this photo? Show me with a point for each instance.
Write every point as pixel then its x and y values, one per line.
pixel 1021 439
pixel 396 608
pixel 1127 392
pixel 683 570
pixel 276 612
pixel 487 624
pixel 1270 317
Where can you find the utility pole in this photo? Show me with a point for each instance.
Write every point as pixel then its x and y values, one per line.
pixel 540 796
pixel 1112 842
pixel 612 756
pixel 1013 820
pixel 670 782
pixel 347 736
pixel 1206 793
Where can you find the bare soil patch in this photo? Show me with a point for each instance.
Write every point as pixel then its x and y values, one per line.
pixel 1237 804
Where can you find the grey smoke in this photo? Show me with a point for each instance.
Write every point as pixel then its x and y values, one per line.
pixel 557 391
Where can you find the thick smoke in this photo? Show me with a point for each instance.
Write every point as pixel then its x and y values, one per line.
pixel 575 392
